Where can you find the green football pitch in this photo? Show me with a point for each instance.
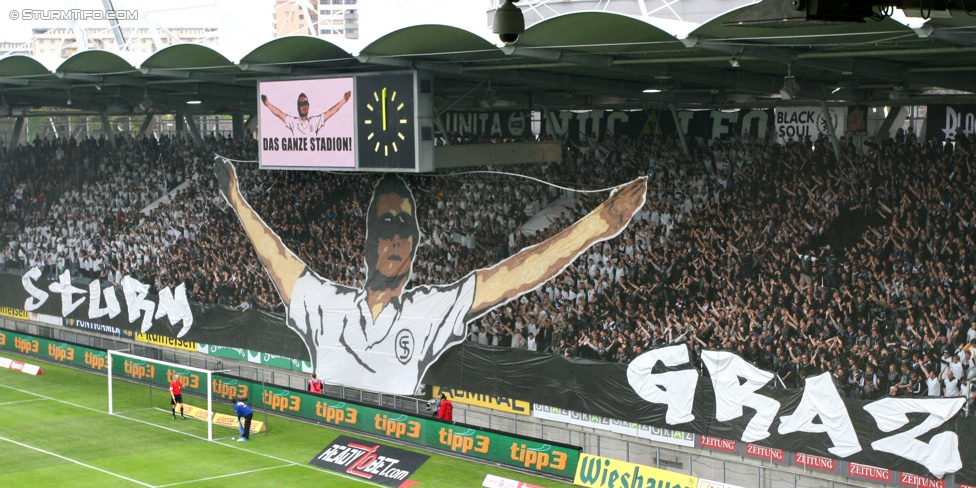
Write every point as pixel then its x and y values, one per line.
pixel 55 431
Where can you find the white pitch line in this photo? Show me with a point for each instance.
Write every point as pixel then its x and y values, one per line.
pixel 79 463
pixel 227 475
pixel 231 446
pixel 23 401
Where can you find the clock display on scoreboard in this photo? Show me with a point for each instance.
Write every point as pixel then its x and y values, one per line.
pixel 386 121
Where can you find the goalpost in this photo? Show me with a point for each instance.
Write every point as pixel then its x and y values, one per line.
pixel 137 383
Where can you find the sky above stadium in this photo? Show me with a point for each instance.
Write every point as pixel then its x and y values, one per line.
pixel 242 24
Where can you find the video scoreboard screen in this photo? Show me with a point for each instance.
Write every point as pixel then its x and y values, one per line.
pixel 374 122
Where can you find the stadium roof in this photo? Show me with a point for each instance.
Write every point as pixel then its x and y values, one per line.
pixel 577 60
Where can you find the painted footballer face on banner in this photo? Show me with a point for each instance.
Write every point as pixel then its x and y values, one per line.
pixel 392 234
pixel 394 252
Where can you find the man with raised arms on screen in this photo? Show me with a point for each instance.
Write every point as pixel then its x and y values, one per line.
pixel 303 125
pixel 383 337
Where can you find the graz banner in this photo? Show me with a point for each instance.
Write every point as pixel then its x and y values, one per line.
pixel 368 460
pixel 891 433
pixel 734 403
pixel 950 121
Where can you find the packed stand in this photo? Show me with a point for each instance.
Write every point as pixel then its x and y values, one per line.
pixel 796 261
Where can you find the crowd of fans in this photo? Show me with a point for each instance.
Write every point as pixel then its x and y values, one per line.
pixel 799 261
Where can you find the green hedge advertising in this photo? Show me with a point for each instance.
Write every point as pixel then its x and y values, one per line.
pixel 421 431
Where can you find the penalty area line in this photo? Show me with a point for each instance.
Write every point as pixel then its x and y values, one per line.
pixel 23 401
pixel 75 461
pixel 227 475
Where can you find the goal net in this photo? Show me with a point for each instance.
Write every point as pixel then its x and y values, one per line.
pixel 139 386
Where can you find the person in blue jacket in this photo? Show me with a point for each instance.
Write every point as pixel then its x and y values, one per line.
pixel 243 412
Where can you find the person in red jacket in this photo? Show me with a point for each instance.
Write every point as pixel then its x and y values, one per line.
pixel 315 385
pixel 445 411
pixel 176 395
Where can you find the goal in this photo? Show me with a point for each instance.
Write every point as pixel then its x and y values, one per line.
pixel 138 384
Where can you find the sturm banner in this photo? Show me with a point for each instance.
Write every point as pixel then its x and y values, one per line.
pixel 124 311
